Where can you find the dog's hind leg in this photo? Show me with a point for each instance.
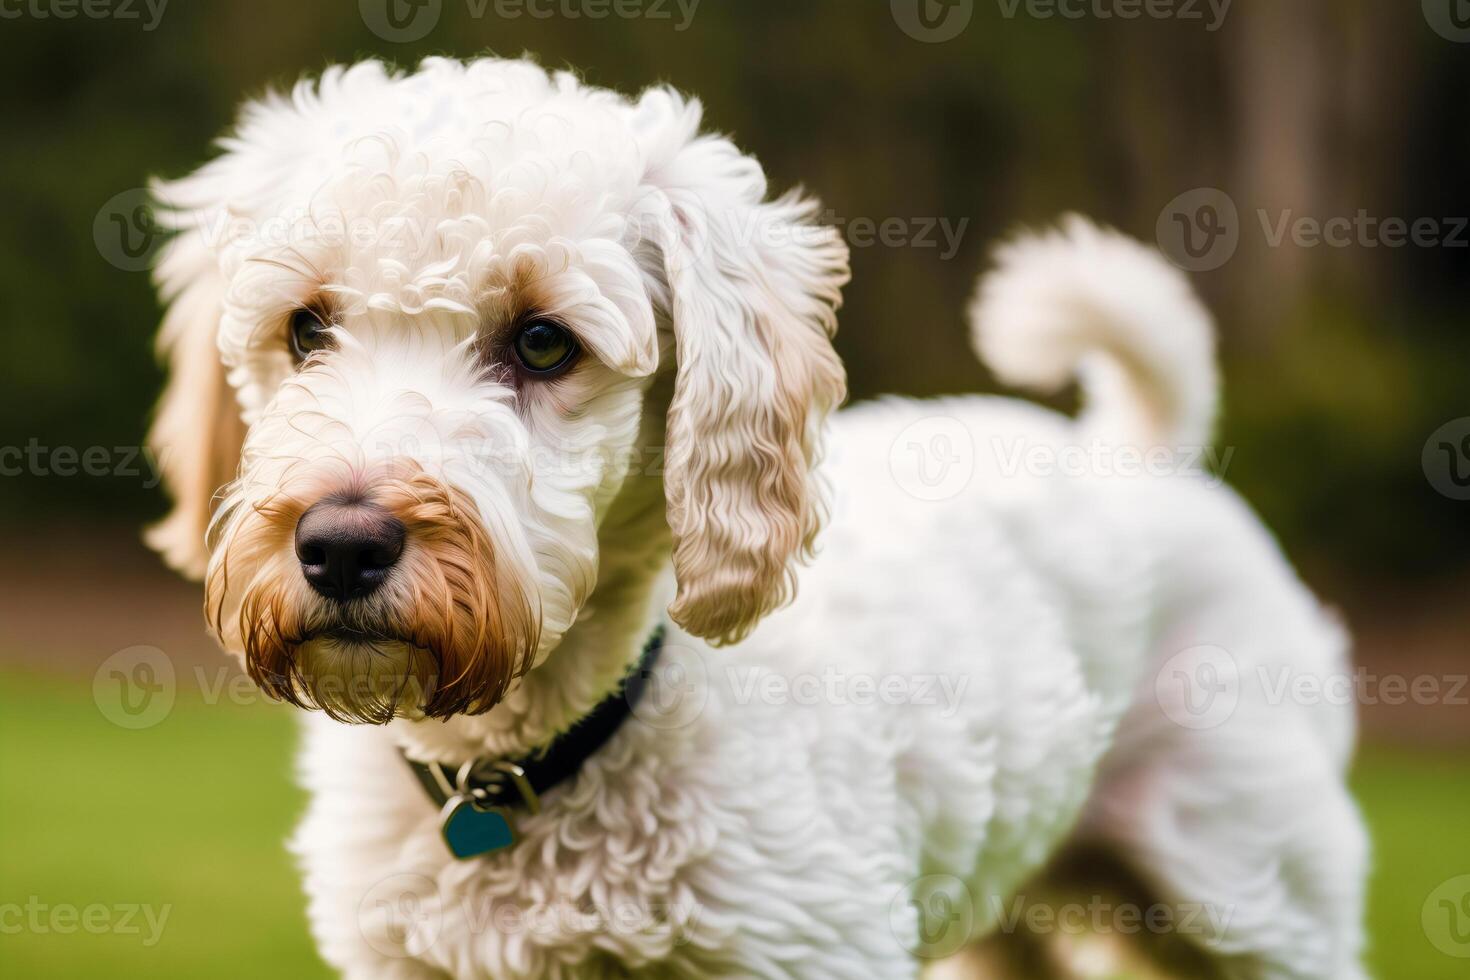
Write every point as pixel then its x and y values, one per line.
pixel 1086 916
pixel 1226 794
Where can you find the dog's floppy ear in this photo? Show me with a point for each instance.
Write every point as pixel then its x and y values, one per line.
pixel 197 432
pixel 753 289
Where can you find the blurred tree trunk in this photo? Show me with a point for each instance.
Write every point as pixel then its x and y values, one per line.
pixel 1320 121
pixel 1296 109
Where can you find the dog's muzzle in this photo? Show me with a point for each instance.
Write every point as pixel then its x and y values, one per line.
pixel 372 594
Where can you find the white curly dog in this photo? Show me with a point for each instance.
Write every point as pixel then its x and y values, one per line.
pixel 490 389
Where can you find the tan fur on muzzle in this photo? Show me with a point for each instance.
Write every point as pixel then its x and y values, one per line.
pixel 446 634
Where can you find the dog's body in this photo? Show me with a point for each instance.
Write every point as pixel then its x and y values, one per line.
pixel 982 665
pixel 750 828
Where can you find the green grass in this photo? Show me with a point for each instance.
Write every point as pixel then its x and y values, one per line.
pixel 1417 805
pixel 190 815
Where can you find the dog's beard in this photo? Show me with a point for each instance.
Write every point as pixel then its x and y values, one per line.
pixel 358 677
pixel 446 634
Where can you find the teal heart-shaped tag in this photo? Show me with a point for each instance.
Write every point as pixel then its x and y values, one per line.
pixel 470 831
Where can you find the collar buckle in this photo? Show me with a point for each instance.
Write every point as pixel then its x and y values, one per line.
pixel 482 790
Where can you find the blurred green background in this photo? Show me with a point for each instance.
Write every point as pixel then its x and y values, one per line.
pixel 1339 361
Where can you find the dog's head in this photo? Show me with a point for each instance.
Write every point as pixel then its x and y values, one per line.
pixel 415 333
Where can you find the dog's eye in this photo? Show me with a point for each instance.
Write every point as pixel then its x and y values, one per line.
pixel 545 347
pixel 307 333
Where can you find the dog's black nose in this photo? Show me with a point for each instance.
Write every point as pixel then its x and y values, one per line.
pixel 346 547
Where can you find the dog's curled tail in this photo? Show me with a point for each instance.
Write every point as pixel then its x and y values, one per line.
pixel 1089 302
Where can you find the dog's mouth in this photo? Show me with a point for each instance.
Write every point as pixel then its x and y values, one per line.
pixel 360 669
pixel 356 635
pixel 354 672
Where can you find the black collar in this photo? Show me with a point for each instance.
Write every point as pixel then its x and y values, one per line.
pixel 479 799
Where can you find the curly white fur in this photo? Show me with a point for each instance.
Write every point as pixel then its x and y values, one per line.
pixel 1085 299
pixel 961 685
